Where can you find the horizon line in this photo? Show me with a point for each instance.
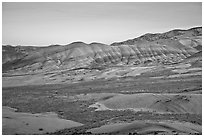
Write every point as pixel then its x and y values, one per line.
pixel 78 41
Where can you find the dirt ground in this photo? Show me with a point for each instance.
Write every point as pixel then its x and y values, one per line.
pixel 73 101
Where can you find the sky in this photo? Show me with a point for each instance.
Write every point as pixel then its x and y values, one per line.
pixel 42 24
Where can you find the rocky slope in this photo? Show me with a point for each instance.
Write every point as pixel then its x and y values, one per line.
pixel 147 50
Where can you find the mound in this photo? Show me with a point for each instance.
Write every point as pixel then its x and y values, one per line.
pixel 25 123
pixel 160 103
pixel 149 127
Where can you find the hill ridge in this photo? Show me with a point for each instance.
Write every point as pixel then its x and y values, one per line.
pixel 149 49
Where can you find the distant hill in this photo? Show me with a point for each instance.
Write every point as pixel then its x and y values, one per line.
pixel 173 34
pixel 149 49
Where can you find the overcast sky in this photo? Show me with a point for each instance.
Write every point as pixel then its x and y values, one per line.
pixel 63 23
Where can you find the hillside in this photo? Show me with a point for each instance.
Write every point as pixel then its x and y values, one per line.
pixel 148 85
pixel 150 49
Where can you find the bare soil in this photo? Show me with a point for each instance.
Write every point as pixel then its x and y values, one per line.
pixel 72 101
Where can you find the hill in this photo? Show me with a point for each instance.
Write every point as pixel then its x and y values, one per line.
pixel 149 49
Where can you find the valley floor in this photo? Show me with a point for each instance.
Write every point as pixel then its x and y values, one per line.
pixel 172 103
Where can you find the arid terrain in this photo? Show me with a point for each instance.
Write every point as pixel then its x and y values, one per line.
pixel 148 85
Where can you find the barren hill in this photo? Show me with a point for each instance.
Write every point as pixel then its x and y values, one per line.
pixel 149 49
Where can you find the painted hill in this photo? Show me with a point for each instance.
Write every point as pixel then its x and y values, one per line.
pixel 149 49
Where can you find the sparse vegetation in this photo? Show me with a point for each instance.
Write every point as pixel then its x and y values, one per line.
pixel 62 80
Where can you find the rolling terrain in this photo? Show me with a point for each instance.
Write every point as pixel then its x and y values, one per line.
pixel 151 84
